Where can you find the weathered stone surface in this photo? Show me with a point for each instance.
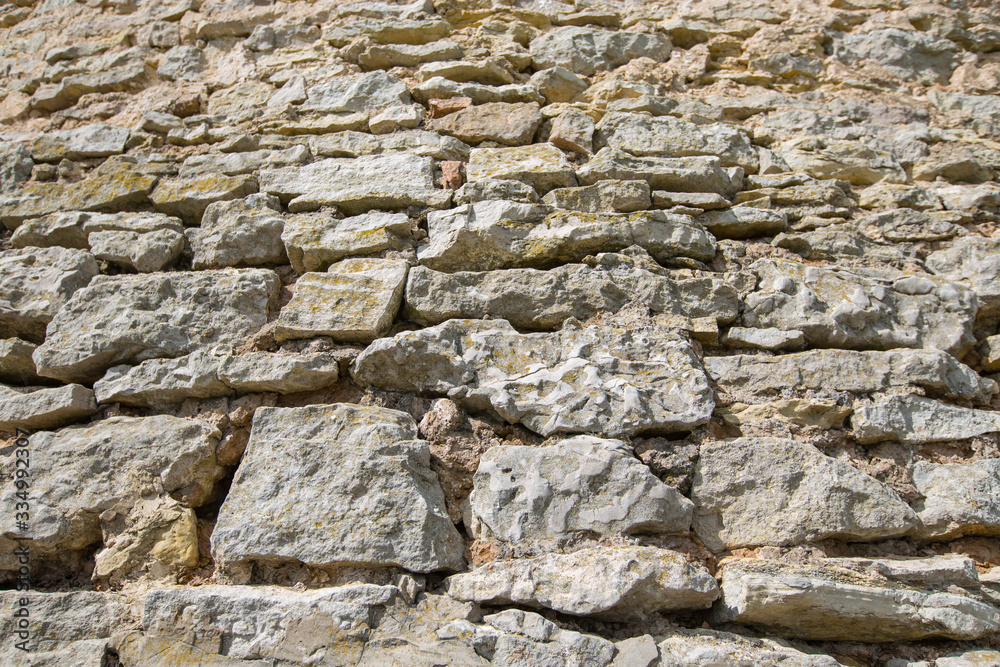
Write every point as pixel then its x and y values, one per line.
pixel 600 379
pixel 706 201
pixel 138 222
pixel 377 502
pixel 823 414
pixel 245 232
pixel 494 189
pixel 852 161
pixel 758 491
pixel 81 471
pixel 356 300
pixel 903 225
pixel 415 142
pixel 508 124
pixel 828 601
pixel 83 142
pixel 388 31
pixel 542 166
pixel 557 84
pixel 502 234
pixel 34 285
pixel 15 166
pixel 162 382
pixel 316 240
pixel 259 625
pixel 915 420
pixel 972 261
pixel 533 299
pixel 489 71
pixel 959 499
pixel 387 56
pixel 246 162
pixel 16 364
pixel 907 54
pixel 281 373
pixel 692 174
pixel 390 180
pixel 189 197
pixel 744 222
pixel 832 371
pixel 769 338
pixel 359 93
pixel 145 253
pixel 128 319
pixel 836 307
pixel 667 136
pixel 707 648
pixel 60 622
pixel 45 408
pixel 836 242
pixel 56 229
pixel 587 50
pixel 623 583
pixel 439 87
pixel 573 131
pixel 579 485
pixel 115 185
pixel 602 197
pixel 182 63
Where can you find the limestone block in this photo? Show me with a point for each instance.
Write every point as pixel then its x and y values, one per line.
pixel 603 380
pixel 372 497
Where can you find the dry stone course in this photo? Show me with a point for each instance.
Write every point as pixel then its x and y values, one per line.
pixel 500 332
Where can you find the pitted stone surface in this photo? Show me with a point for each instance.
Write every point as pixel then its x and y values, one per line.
pixel 840 308
pixel 129 319
pixel 603 380
pixel 501 234
pixel 828 601
pixel 533 299
pixel 582 484
pixel 756 491
pixel 35 283
pixel 81 471
pixel 376 500
pixel 625 583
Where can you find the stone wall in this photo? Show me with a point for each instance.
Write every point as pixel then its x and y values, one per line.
pixel 471 332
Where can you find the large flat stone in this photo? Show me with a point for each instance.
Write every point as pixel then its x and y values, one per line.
pixel 35 283
pixel 358 93
pixel 189 197
pixel 45 408
pixel 959 498
pixel 89 141
pixel 60 622
pixel 691 174
pixel 336 484
pixel 600 379
pixel 666 136
pixel 145 253
pixel 316 240
pixel 915 420
pixel 831 602
pixel 81 471
pixel 115 185
pixel 244 232
pixel 507 124
pixel 769 491
pixel 837 307
pixel 500 234
pixel 587 485
pixel 281 373
pixel 128 319
pixel 830 371
pixel 586 50
pixel 533 299
pixel 615 583
pixel 542 166
pixel 256 625
pixel 385 181
pixel 356 300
